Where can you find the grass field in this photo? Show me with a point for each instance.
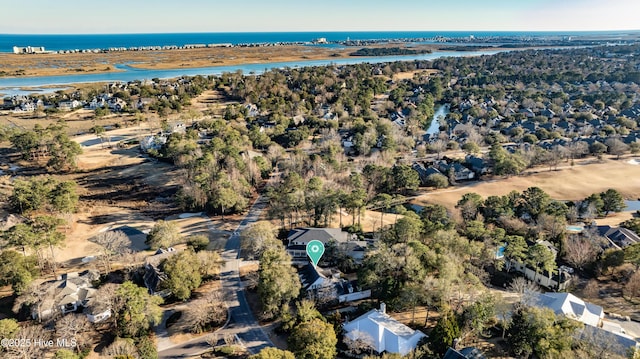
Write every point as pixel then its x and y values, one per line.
pixel 567 183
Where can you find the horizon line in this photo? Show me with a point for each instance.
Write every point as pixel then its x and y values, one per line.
pixel 324 31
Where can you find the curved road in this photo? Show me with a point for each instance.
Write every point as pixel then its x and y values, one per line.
pixel 241 323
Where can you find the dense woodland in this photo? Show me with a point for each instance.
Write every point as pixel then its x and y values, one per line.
pixel 515 110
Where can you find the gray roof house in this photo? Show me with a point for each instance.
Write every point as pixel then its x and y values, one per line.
pixel 620 237
pixel 69 293
pixel 299 238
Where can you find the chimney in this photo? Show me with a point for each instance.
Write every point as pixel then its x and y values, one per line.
pixel 383 308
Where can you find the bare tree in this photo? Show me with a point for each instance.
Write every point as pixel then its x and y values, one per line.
pixel 632 289
pixel 580 251
pixel 74 328
pixel 121 347
pixel 527 290
pixel 616 147
pixel 205 312
pixel 26 346
pixel 115 244
pixel 359 342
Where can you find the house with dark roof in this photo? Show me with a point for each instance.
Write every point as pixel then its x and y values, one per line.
pixel 153 275
pixel 466 353
pixel 620 237
pixel 298 239
pixel 424 172
pixel 460 172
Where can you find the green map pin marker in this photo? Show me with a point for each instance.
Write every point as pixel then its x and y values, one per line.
pixel 315 250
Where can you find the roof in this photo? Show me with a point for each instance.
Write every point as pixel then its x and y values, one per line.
pixel 324 235
pixel 309 274
pixel 466 353
pixel 620 236
pixel 380 319
pixel 572 307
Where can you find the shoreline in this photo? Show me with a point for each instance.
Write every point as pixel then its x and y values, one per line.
pixel 39 65
pixel 20 66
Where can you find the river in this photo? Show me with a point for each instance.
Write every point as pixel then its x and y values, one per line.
pixel 440 114
pixel 27 85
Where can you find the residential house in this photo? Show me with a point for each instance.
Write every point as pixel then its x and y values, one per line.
pixel 460 172
pixel 424 172
pixel 298 239
pixel 153 275
pixel 478 165
pixel 382 332
pixel 70 293
pixel 69 105
pixel 572 307
pixel 329 284
pixel 116 104
pixel 559 280
pixel 619 237
pixel 466 353
pixel 597 328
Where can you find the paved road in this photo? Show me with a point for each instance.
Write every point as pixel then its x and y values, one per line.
pixel 241 323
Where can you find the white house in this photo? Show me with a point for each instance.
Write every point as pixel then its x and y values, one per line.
pixel 383 332
pixel 572 307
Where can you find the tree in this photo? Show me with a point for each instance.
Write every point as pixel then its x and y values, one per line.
pixel 537 331
pixel 224 198
pixel 29 195
pixel 17 270
pixel 27 334
pixel 164 234
pixel 46 229
pixel 616 147
pixel 612 201
pixel 257 237
pixel 65 354
pixel 115 245
pixel 137 310
pixel 477 316
pixel 405 178
pixel 198 242
pixel 632 288
pixel 74 328
pixel 408 228
pixel 580 251
pixel 204 313
pixel 147 348
pixel 314 339
pixel 183 274
pixel 534 202
pixel 540 257
pixel 8 328
pixel 515 251
pixel 64 198
pixel 273 353
pixel 444 333
pixel 383 200
pixel 121 348
pixel 471 148
pixel 527 290
pixel 470 205
pixel 278 282
pixel 437 180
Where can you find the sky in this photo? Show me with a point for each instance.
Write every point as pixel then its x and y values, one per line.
pixel 163 16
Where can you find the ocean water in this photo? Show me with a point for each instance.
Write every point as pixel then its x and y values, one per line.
pixel 105 41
